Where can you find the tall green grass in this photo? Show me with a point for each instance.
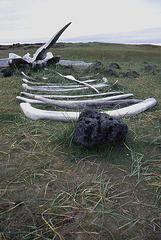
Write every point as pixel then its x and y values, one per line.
pixel 52 189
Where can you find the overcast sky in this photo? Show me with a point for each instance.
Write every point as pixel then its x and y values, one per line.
pixel 24 20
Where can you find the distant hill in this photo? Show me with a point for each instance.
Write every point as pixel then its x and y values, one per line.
pixel 145 36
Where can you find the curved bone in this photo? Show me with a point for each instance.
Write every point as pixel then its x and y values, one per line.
pixel 70 77
pixel 49 84
pixel 29 100
pixel 90 80
pixel 82 104
pixel 52 89
pixel 71 96
pixel 133 109
pixel 89 76
pixel 52 84
pixel 102 102
pixel 93 80
pixel 34 113
pixel 73 63
pixel 113 83
pixel 41 52
pixel 28 76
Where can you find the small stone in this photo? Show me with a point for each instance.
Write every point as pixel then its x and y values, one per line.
pixel 131 74
pixel 97 66
pixel 7 73
pixel 98 63
pixel 114 65
pixel 109 71
pixel 149 67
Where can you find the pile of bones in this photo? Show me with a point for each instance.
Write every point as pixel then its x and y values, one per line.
pixel 57 94
pixel 59 97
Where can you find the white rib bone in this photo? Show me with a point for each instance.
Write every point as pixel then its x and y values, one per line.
pixel 90 80
pixel 71 96
pixel 28 76
pixel 41 83
pixel 53 84
pixel 52 89
pixel 34 113
pixel 29 100
pixel 83 103
pixel 133 109
pixel 70 77
pixel 73 63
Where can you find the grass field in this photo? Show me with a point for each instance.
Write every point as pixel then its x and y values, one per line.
pixel 52 189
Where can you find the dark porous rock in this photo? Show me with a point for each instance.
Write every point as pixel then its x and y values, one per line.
pixel 3 70
pixel 114 65
pixel 109 71
pixel 97 66
pixel 98 63
pixel 149 67
pixel 131 74
pixel 7 73
pixel 95 129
